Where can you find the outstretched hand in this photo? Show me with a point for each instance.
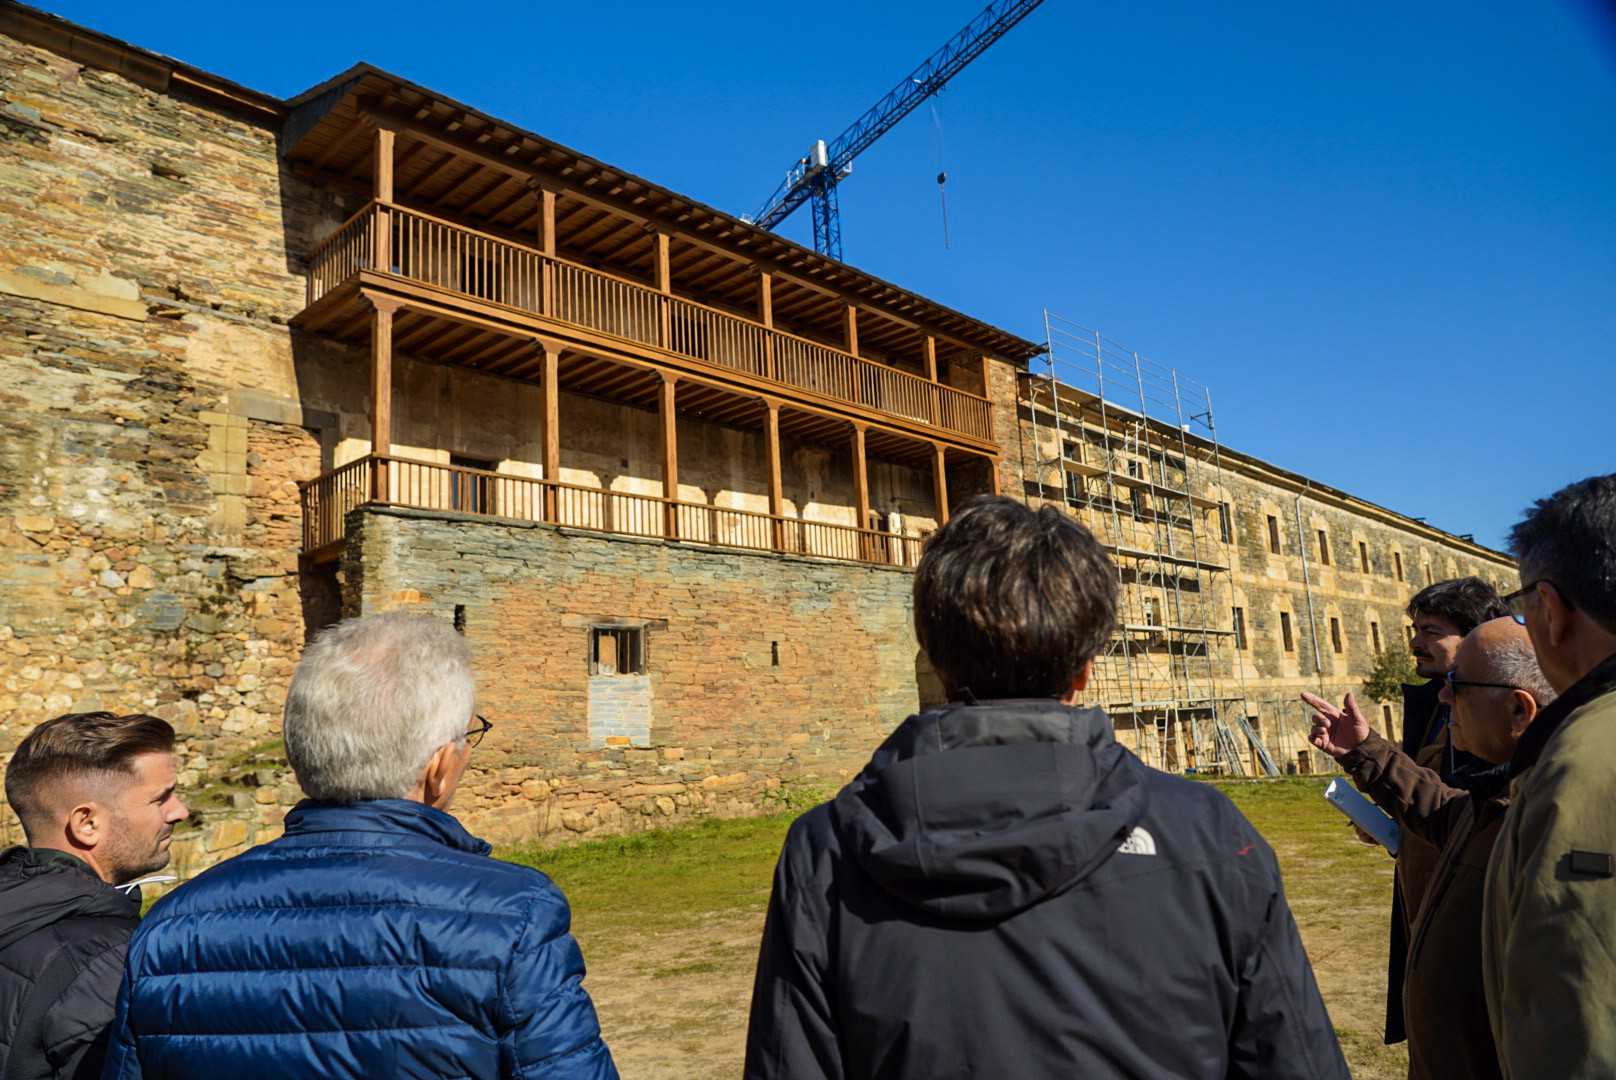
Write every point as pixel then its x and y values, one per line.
pixel 1336 731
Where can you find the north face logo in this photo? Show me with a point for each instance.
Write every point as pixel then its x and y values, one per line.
pixel 1139 842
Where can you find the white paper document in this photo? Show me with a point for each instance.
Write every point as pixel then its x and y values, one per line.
pixel 1365 814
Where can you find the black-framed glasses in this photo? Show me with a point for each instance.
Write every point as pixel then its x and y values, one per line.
pixel 1516 601
pixel 1454 684
pixel 475 735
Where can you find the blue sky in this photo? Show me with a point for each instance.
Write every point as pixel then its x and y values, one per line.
pixel 1384 234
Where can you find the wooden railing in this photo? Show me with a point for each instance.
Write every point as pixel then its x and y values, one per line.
pixel 421 485
pixel 449 256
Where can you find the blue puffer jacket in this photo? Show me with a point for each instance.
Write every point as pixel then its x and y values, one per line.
pixel 376 940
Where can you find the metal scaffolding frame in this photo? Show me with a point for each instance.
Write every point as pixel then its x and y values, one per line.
pixel 1129 447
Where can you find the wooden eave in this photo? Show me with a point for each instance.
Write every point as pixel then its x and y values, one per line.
pixel 462 164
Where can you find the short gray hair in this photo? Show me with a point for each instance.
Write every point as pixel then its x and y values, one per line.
pixel 1515 663
pixel 370 702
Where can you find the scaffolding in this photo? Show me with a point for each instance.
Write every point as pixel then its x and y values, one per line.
pixel 1128 447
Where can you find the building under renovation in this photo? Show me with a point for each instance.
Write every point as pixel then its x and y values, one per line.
pixel 271 363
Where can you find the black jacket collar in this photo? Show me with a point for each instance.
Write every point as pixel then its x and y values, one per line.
pixel 1598 682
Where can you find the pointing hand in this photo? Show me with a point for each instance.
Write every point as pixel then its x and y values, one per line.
pixel 1336 731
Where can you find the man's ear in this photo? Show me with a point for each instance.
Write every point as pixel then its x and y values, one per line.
pixel 1080 681
pixel 87 824
pixel 1523 711
pixel 1558 614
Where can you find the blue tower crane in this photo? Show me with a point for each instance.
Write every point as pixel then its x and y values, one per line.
pixel 816 175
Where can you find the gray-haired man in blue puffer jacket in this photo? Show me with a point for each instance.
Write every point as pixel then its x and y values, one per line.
pixel 376 938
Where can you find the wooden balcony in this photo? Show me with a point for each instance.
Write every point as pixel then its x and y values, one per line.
pixel 390 481
pixel 399 243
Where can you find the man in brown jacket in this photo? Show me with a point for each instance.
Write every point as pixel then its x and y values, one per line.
pixel 1549 924
pixel 1493 692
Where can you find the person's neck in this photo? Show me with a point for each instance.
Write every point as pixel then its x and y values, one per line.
pixel 1589 654
pixel 83 858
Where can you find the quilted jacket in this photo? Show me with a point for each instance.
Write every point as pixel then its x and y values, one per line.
pixel 372 940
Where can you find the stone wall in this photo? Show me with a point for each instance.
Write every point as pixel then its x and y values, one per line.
pixel 763 670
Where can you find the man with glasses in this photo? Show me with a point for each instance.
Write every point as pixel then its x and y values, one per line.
pixel 1549 924
pixel 1493 692
pixel 376 938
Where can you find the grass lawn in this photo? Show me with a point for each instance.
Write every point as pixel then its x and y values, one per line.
pixel 669 923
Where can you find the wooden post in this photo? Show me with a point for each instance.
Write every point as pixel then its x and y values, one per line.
pixel 939 483
pixel 771 444
pixel 381 393
pixel 931 358
pixel 551 461
pixel 850 328
pixel 861 489
pixel 383 170
pixel 993 475
pixel 765 304
pixel 664 285
pixel 933 395
pixel 670 455
pixel 547 245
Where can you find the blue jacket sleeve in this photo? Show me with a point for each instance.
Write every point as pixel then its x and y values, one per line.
pixel 1281 1030
pixel 551 1029
pixel 122 1063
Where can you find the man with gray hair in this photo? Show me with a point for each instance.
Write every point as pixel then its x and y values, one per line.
pixel 1549 929
pixel 375 938
pixel 1493 693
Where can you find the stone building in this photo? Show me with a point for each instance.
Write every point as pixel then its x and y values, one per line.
pixel 268 363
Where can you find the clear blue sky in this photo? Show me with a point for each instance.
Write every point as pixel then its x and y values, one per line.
pixel 1383 233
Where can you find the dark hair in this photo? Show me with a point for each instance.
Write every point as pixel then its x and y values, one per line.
pixel 1466 602
pixel 1012 602
pixel 1570 539
pixel 77 744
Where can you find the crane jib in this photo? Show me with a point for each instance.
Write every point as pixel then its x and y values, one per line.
pixel 817 179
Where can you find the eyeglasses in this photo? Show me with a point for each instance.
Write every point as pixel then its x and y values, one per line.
pixel 1454 684
pixel 1516 601
pixel 475 735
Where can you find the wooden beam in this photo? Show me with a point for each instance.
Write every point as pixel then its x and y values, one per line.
pixel 667 408
pixel 850 329
pixel 939 483
pixel 550 388
pixel 664 276
pixel 381 389
pixel 771 444
pixel 765 298
pixel 454 189
pixel 339 140
pixel 931 358
pixel 861 483
pixel 383 179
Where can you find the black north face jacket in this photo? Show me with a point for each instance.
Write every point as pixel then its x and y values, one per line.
pixel 1006 892
pixel 63 936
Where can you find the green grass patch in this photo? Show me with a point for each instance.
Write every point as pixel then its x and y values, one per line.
pixel 665 877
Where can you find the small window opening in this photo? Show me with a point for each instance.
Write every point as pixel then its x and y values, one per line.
pixel 1324 548
pixel 1273 534
pixel 1397 564
pixel 1225 526
pixel 460 618
pixel 774 654
pixel 1386 715
pixel 1285 631
pixel 1335 634
pixel 1363 556
pixel 1240 628
pixel 1374 635
pixel 617 650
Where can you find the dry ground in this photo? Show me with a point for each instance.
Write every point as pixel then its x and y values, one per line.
pixel 669 924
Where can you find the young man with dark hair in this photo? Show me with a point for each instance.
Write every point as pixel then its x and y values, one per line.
pixel 1549 923
pixel 1006 891
pixel 95 795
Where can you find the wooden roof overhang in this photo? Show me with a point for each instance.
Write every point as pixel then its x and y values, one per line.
pixel 463 165
pixel 502 343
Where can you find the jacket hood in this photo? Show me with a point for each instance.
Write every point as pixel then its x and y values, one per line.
pixel 980 811
pixel 36 893
pixel 392 816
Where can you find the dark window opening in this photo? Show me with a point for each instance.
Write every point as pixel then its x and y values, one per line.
pixel 468 492
pixel 1225 524
pixel 1273 534
pixel 1335 634
pixel 1076 490
pixel 617 650
pixel 1386 715
pixel 1240 628
pixel 1374 635
pixel 1363 556
pixel 1397 564
pixel 460 618
pixel 1285 631
pixel 1324 548
pixel 774 654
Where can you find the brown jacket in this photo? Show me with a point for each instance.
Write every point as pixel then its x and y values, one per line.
pixel 1449 1037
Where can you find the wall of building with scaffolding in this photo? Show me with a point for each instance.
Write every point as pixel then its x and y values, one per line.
pixel 1129 447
